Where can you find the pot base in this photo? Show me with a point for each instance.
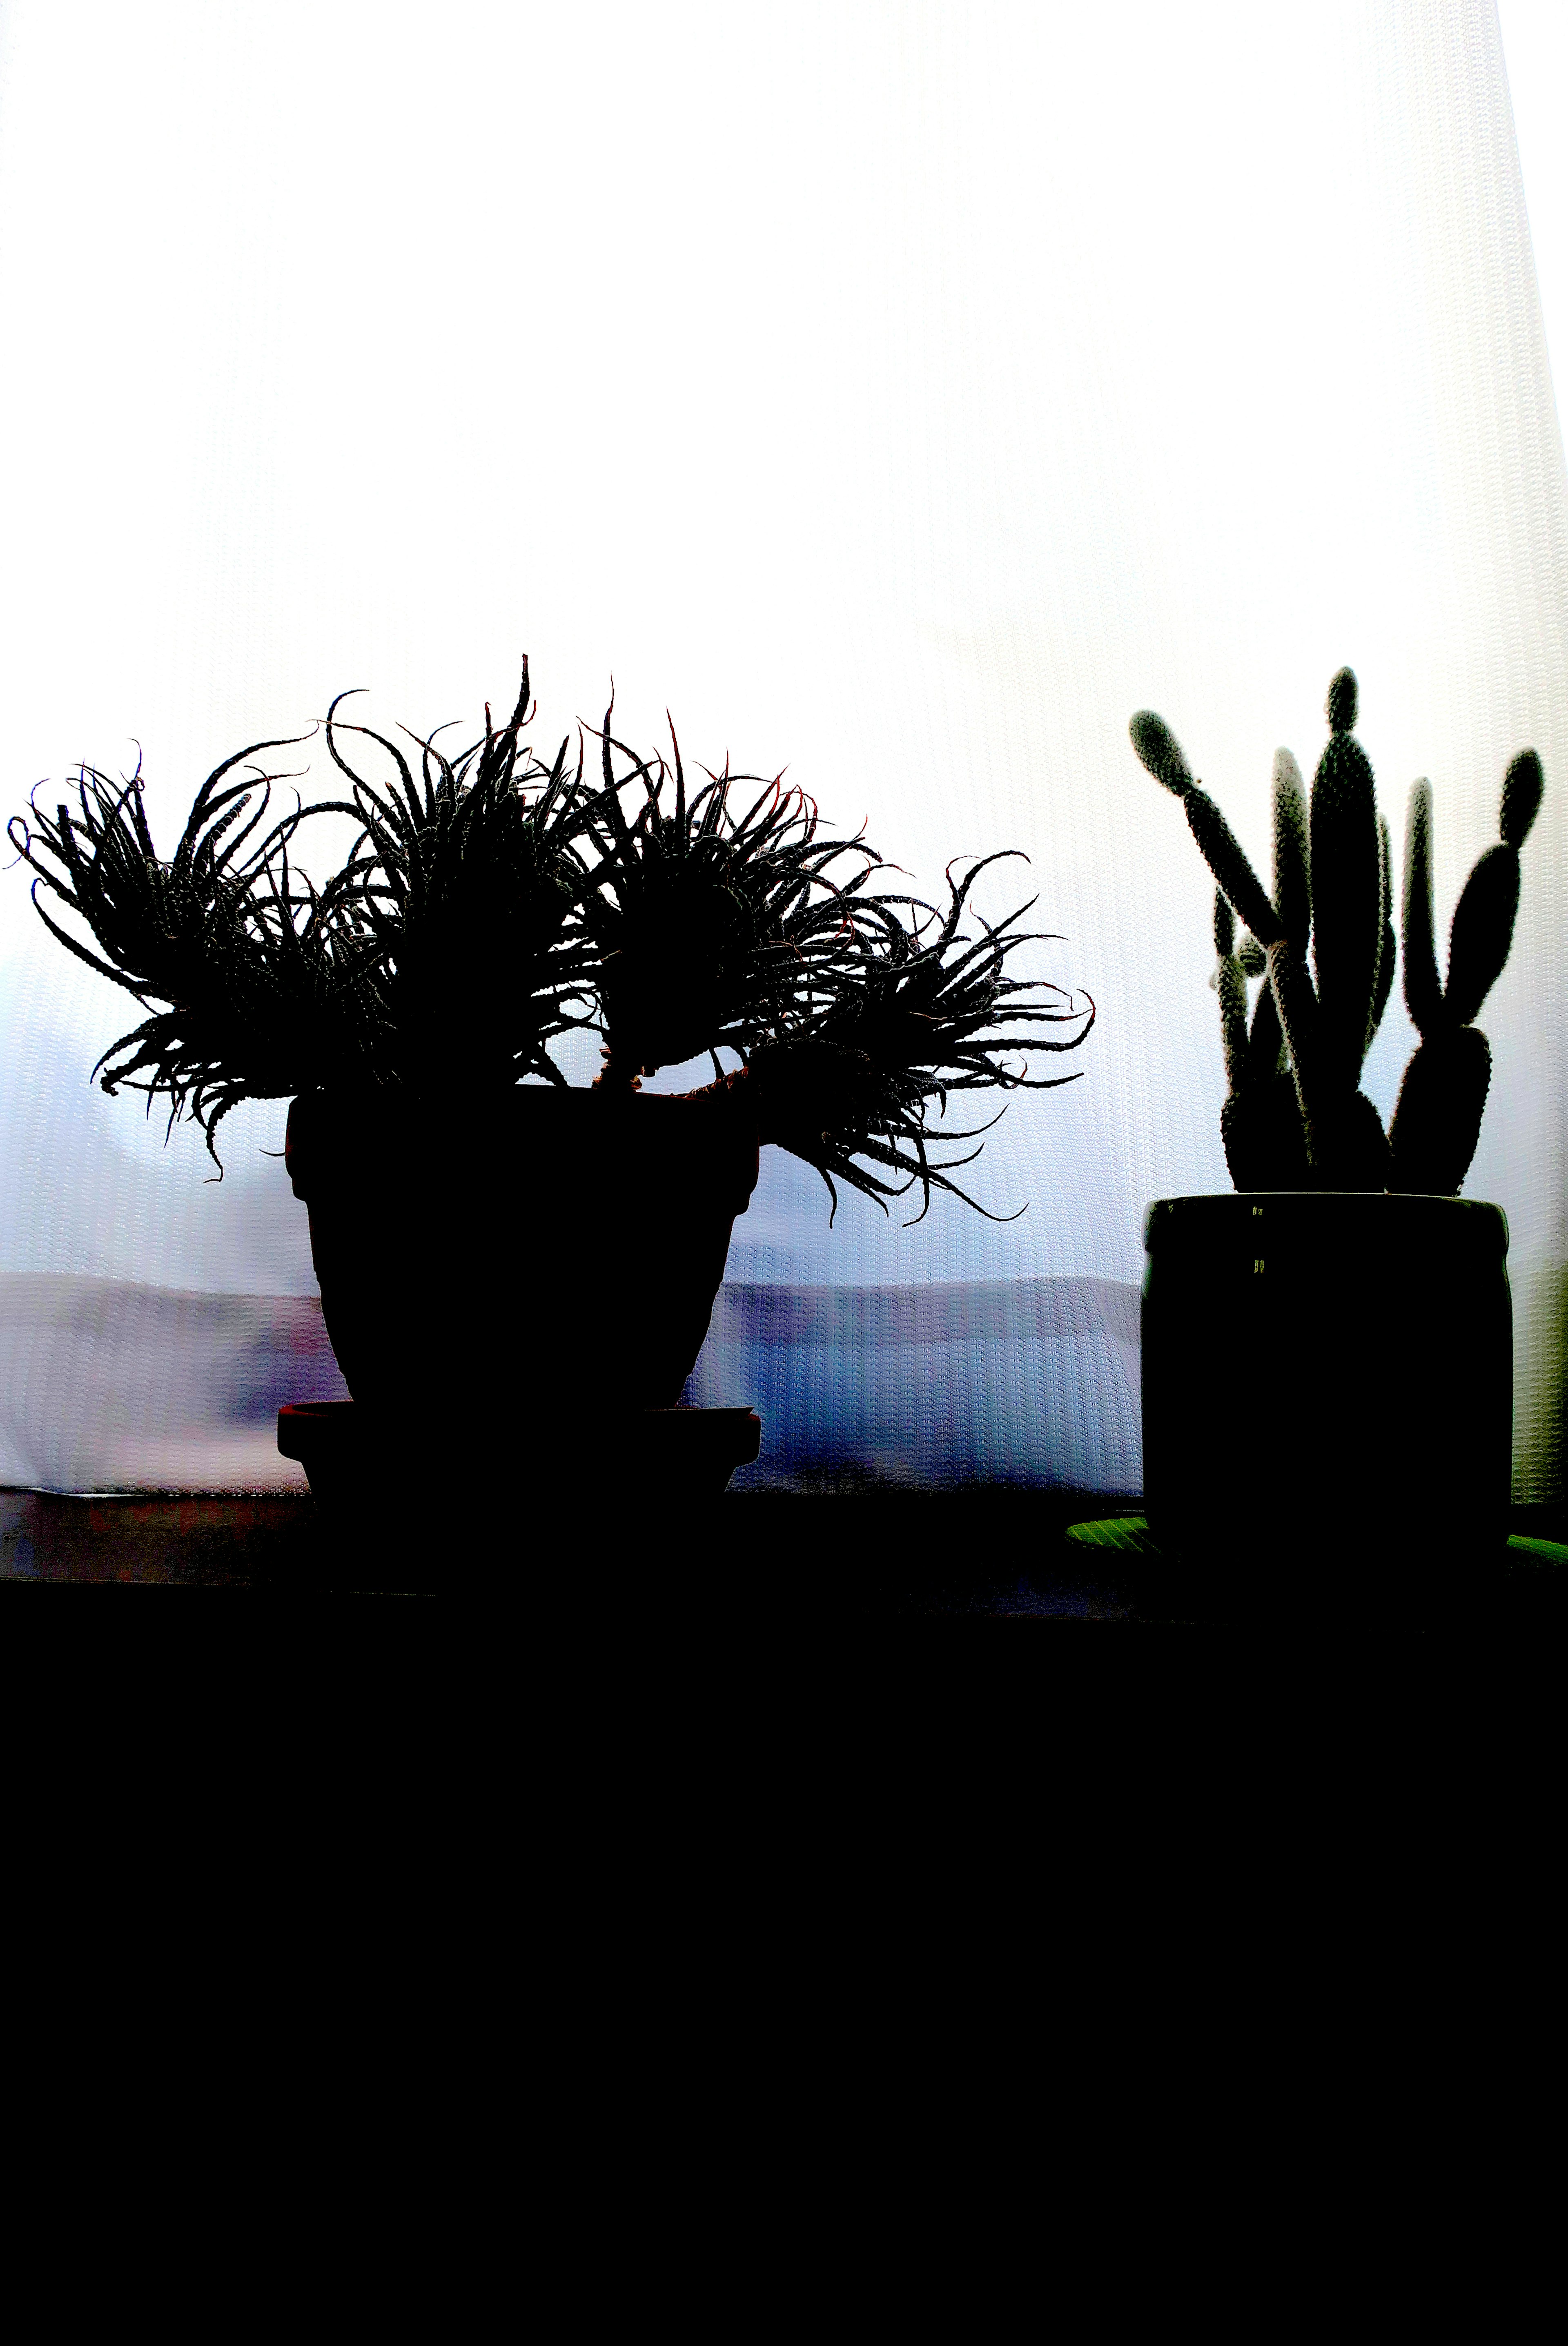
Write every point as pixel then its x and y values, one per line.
pixel 353 1460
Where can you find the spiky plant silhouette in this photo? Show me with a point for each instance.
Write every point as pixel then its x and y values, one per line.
pixel 257 986
pixel 465 887
pixel 712 928
pixel 491 904
pixel 924 1009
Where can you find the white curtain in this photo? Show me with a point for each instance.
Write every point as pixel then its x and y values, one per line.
pixel 903 395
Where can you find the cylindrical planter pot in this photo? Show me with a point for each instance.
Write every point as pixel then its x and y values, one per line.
pixel 1327 1377
pixel 553 1253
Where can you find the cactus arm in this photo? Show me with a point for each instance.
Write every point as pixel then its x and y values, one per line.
pixel 1230 983
pixel 1436 1121
pixel 1160 751
pixel 1224 926
pixel 1523 786
pixel 1482 932
pixel 1300 1021
pixel 1344 698
pixel 1346 929
pixel 1386 949
pixel 1423 987
pixel 1292 862
pixel 1387 963
pixel 1223 853
pixel 1261 1129
pixel 1232 987
pixel 1265 1040
pixel 1359 1158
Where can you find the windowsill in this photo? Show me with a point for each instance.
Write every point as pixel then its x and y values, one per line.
pixel 819 1558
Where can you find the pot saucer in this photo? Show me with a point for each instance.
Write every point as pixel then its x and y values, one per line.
pixel 351 1457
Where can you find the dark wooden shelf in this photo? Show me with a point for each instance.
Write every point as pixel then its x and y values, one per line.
pixel 834 1554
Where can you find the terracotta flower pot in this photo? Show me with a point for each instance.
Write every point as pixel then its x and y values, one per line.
pixel 556 1250
pixel 1326 1378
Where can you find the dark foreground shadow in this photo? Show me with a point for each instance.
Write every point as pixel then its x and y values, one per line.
pixel 821 1557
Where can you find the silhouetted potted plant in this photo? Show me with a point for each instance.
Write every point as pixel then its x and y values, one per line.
pixel 1327 1354
pixel 475 1221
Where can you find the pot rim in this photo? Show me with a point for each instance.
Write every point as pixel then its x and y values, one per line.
pixel 1473 1221
pixel 344 1128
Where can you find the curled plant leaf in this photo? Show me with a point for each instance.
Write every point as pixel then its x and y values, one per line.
pixel 933 1009
pixel 465 885
pixel 718 919
pixel 253 986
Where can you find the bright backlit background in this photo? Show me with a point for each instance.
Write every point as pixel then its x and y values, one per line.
pixel 902 394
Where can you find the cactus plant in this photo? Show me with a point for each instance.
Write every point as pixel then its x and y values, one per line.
pixel 1296 1117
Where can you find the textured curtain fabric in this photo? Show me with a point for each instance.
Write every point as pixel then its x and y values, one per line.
pixel 899 394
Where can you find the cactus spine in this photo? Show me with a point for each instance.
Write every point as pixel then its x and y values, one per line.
pixel 1296 1117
